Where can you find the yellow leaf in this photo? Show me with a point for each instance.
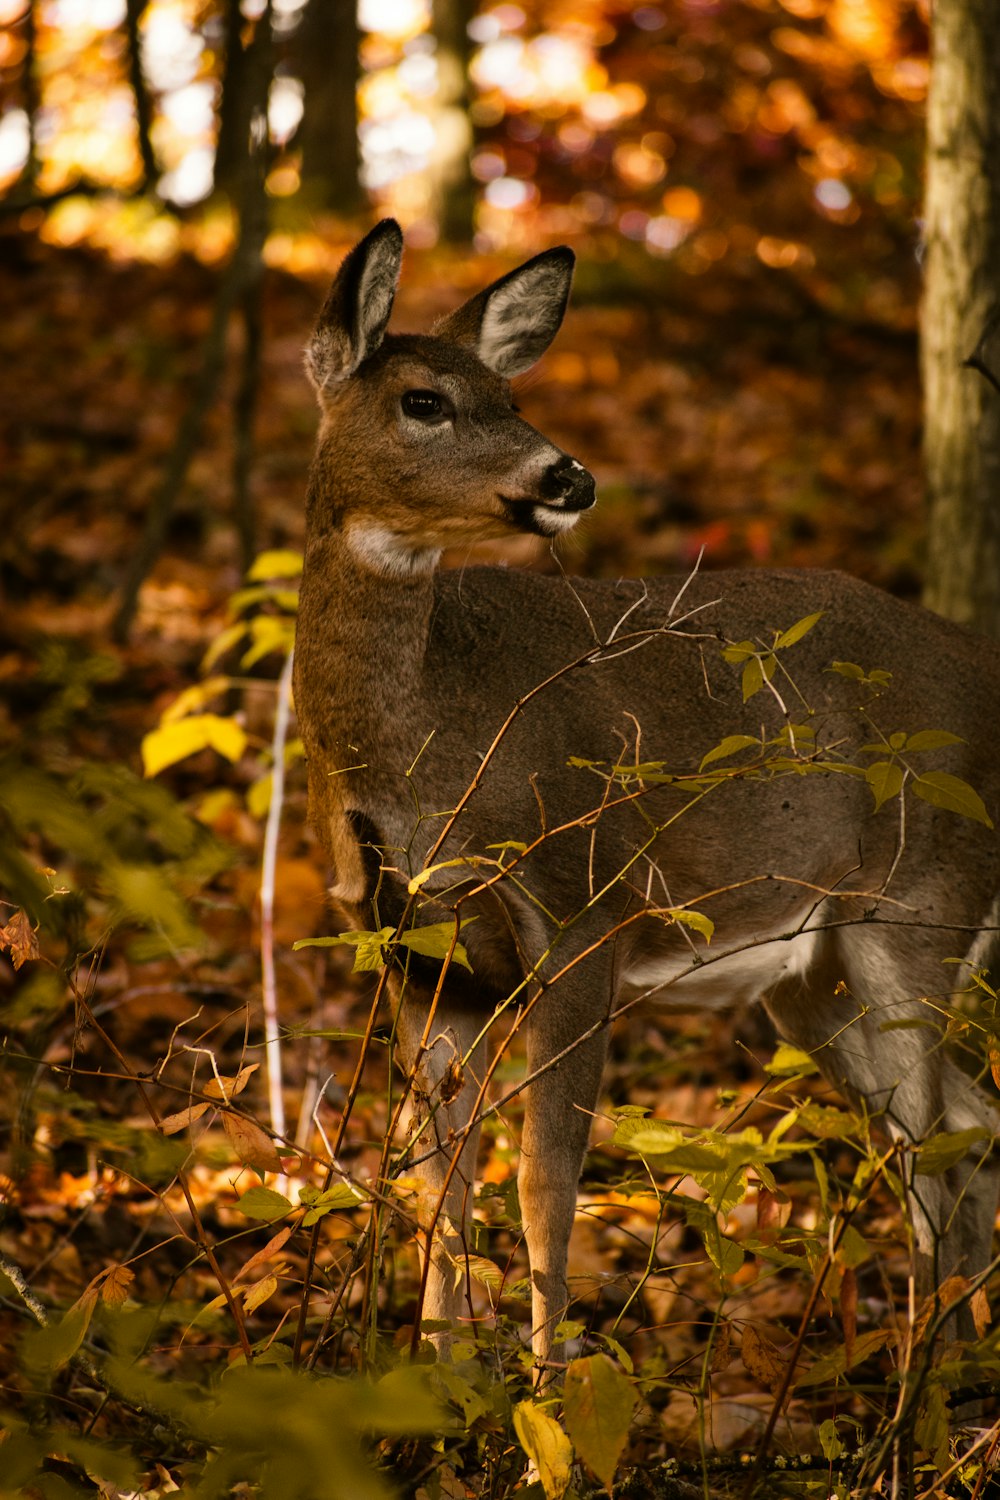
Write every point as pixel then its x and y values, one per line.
pixel 281 562
pixel 226 736
pixel 194 698
pixel 548 1447
pixel 255 1295
pixel 173 742
pixel 599 1403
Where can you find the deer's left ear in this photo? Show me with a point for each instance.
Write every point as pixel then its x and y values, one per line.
pixel 512 323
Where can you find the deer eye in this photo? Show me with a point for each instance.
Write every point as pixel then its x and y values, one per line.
pixel 426 406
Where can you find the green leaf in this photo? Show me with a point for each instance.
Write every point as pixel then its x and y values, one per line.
pixel 264 1203
pixel 789 1062
pixel 739 651
pixel 598 1403
pixel 731 745
pixel 279 563
pixel 932 739
pixel 726 1256
pixel 885 778
pixel 548 1447
pixel 847 669
pixel 939 1152
pixel 829 1441
pixel 435 941
pixel 795 632
pixel 941 789
pixel 368 946
pixel 753 678
pixel 830 1366
pixel 341 1195
pixel 222 643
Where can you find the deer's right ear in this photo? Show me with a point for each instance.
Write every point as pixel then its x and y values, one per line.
pixel 353 318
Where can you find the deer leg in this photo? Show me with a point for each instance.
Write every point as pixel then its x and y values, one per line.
pixel 446 1064
pixel 904 1075
pixel 558 1107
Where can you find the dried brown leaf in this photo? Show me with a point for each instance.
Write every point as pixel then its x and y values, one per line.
pixel 773 1208
pixel 20 939
pixel 722 1348
pixel 170 1124
pixel 227 1088
pixel 264 1254
pixel 979 1306
pixel 948 1292
pixel 762 1358
pixel 252 1146
pixel 115 1286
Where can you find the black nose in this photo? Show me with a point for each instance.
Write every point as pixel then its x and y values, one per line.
pixel 569 482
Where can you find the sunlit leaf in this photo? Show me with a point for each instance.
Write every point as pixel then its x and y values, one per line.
pixel 548 1447
pixel 693 919
pixel 282 562
pixel 789 1062
pixel 436 941
pixel 598 1403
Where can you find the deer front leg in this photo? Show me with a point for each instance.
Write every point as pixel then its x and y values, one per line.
pixel 558 1110
pixel 446 1066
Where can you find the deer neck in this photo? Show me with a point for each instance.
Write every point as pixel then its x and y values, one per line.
pixel 364 620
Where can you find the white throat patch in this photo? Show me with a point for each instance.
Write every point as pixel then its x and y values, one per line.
pixel 386 552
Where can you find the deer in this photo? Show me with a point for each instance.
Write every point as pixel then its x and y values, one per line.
pixel 507 752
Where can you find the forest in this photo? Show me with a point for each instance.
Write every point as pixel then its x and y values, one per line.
pixel 213 1247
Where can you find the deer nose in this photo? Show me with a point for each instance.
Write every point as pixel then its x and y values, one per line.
pixel 569 483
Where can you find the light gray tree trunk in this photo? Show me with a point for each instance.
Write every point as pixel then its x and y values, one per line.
pixel 961 300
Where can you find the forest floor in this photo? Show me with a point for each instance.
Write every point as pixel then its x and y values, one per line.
pixel 740 421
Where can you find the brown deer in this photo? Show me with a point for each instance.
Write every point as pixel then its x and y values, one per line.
pixel 528 752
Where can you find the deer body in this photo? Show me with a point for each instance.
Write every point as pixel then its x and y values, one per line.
pixel 837 917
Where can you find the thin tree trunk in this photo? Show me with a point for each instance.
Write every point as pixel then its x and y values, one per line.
pixel 962 297
pixel 326 56
pixel 451 173
pixel 134 10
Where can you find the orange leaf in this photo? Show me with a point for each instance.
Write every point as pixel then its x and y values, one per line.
pixel 252 1146
pixel 722 1348
pixel 20 938
pixel 170 1124
pixel 979 1306
pixel 264 1254
pixel 228 1088
pixel 115 1286
pixel 773 1209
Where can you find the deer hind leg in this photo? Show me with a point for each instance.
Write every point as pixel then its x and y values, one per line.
pixel 446 1064
pixel 905 1076
pixel 558 1111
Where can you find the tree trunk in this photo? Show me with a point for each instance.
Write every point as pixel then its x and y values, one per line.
pixel 326 58
pixel 961 298
pixel 453 190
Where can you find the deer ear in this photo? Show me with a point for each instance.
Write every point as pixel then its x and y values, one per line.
pixel 512 323
pixel 353 318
